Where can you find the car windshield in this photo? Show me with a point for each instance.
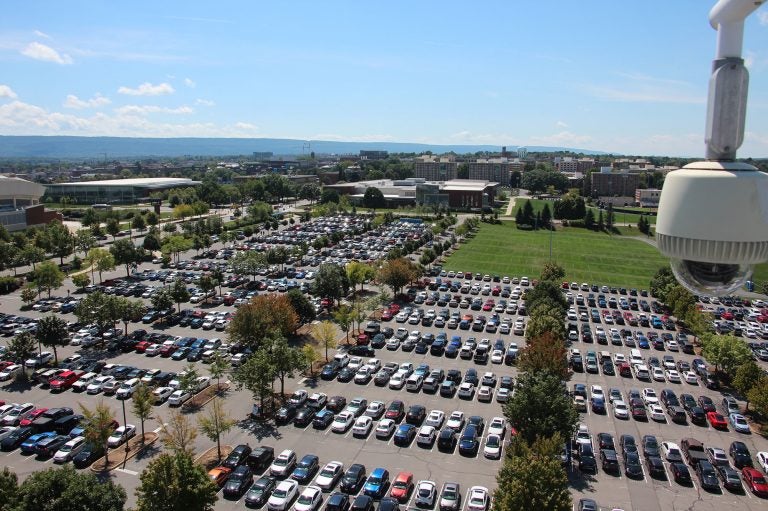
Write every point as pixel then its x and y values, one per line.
pixel 280 493
pixel 305 499
pixel 374 480
pixel 493 441
pixel 327 472
pixel 425 491
pixel 449 494
pixel 281 462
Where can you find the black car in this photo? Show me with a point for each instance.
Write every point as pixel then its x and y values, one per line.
pixel 421 348
pixel 680 473
pixel 362 503
pixel 304 417
pixel 707 476
pixel 239 481
pixel 353 478
pixel 729 477
pixel 605 441
pixel 322 419
pixel 15 439
pixel 587 461
pixel 446 440
pixel 740 454
pixel 650 446
pixel 468 444
pixel 609 461
pixel 237 457
pixel 389 504
pixel 655 467
pixel 261 458
pixel 260 491
pixel 362 351
pixel 306 468
pixel 285 414
pixel 632 467
pixel 471 377
pixel 416 415
pixel 88 455
pixel 608 368
pixel 336 403
pixel 330 370
pixel 382 378
pixel 337 502
pixel 346 375
pixel 697 415
pixel 478 422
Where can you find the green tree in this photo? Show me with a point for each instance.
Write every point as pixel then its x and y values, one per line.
pixel 90 218
pixel 747 376
pixel 179 293
pixel 141 405
pixel 68 489
pixel 287 360
pixel 138 223
pixel 263 315
pixel 126 253
pixel 532 477
pixel 81 280
pixel 151 241
pixel 309 356
pixel 343 316
pixel 549 292
pixel 589 219
pixel 257 375
pixel 183 211
pixel 541 407
pixel 249 262
pixel 52 332
pixel 217 274
pixel 9 489
pixel 207 284
pixel 100 259
pixel 546 216
pixel 174 482
pixel 544 353
pixel 31 254
pixel 113 227
pixel 47 277
pixel 373 198
pixel 98 426
pixel 100 309
pixel 216 423
pixel 28 295
pixel 218 368
pixel 325 333
pixel 329 195
pixel 553 272
pixel 396 273
pixel 178 434
pixel 22 347
pixel 302 306
pixel 331 282
pixel 758 396
pixel 152 219
pixel 162 300
pixel 62 241
pixel 726 352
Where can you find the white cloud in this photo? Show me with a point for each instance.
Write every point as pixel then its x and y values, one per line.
pixel 39 51
pixel 561 124
pixel 564 138
pixel 762 16
pixel 245 126
pixel 152 109
pixel 204 102
pixel 7 92
pixel 189 83
pixel 73 101
pixel 42 34
pixel 147 89
pixel 641 88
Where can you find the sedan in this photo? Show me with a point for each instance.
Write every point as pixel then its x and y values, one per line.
pixel 426 436
pixel 342 422
pixel 179 397
pixel 260 491
pixel 657 413
pixel 97 385
pixel 717 421
pixel 310 499
pixel 456 421
pixel 121 435
pixel 690 377
pixel 329 475
pixel 672 375
pixel 385 428
pixel 479 499
pixel 620 410
pixel 492 447
pixel 397 381
pixel 426 492
pixel 362 426
pixel 497 426
pixel 755 481
pixel 404 434
pixel 238 482
pixel 435 418
pixel 739 423
pixel 283 495
pixel 161 394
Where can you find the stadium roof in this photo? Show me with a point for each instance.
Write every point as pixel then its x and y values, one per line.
pixel 141 182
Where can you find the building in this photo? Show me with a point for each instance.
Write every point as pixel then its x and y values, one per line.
pixel 494 169
pixel 469 193
pixel 115 191
pixel 17 193
pixel 612 184
pixel 373 155
pixel 648 198
pixel 433 168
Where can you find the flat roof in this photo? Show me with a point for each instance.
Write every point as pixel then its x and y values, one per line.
pixel 456 185
pixel 142 182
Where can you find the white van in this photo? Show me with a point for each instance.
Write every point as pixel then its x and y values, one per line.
pixel 342 359
pixel 635 357
pixel 414 382
pixel 642 372
pixel 127 388
pixel 85 380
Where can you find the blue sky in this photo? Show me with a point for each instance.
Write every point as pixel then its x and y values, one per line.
pixel 628 77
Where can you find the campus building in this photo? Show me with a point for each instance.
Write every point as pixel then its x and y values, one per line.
pixel 20 204
pixel 434 168
pixel 115 191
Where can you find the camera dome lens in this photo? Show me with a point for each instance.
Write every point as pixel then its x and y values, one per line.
pixel 713 279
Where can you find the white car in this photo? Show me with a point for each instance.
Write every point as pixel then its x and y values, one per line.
pixel 620 410
pixel 583 435
pixel 355 363
pixel 649 396
pixel 596 391
pixel 6 431
pixel 466 390
pixel 690 377
pixel 69 450
pixel 283 495
pixel 406 368
pixel 455 421
pixel 362 426
pixel 671 451
pixel 426 436
pixel 121 435
pixel 179 397
pixel 393 343
pixel 656 412
pixel 485 394
pixel 152 350
pixel 40 360
pixel 397 381
pixel 497 357
pixel 435 418
pixel 739 422
pixel 385 428
pixel 310 499
pixel 161 394
pixel 363 375
pixel 329 475
pixel 762 460
pixel 342 422
pixel 16 414
pixel 657 374
pixel 10 372
pixel 497 426
pixel 492 447
pixel 97 385
pixel 672 376
pixel 375 409
pixel 478 499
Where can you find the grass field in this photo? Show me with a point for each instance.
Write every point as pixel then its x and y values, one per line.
pixel 586 256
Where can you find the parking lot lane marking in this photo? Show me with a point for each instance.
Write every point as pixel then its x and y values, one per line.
pixel 127 471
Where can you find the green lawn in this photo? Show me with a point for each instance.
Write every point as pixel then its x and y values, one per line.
pixel 586 256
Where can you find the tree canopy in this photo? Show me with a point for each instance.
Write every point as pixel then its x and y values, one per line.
pixel 263 315
pixel 174 482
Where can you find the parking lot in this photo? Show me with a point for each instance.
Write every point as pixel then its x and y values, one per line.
pixel 429 463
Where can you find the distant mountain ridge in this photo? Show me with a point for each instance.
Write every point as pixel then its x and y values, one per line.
pixel 126 147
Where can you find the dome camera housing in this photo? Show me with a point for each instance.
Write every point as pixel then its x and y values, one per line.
pixel 713 225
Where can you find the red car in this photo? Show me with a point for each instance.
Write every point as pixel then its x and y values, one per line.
pixel 386 315
pixel 394 309
pixel 402 486
pixel 167 350
pixel 37 412
pixel 755 481
pixel 396 411
pixel 363 339
pixel 64 381
pixel 142 346
pixel 716 420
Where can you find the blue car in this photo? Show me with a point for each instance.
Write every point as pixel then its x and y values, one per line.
pixel 468 443
pixel 322 419
pixel 377 484
pixel 28 446
pixel 306 468
pixel 405 434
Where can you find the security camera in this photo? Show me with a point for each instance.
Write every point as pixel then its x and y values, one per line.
pixel 713 225
pixel 713 215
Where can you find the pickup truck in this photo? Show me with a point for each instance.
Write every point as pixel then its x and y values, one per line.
pixel 693 450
